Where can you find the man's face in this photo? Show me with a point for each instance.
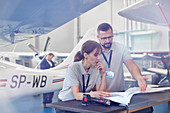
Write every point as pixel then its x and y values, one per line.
pixel 50 57
pixel 105 38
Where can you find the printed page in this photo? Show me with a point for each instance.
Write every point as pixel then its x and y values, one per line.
pixel 121 97
pixel 125 97
pixel 136 90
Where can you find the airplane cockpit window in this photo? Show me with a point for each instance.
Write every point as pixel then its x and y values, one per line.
pixel 19 62
pixel 7 59
pixel 27 63
pixel 1 57
pixel 59 59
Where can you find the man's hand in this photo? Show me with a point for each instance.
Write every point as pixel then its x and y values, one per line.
pixel 142 83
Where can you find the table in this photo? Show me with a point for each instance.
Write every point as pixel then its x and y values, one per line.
pixel 142 101
pixel 138 102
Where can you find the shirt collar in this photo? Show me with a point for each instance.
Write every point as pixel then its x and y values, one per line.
pixel 83 70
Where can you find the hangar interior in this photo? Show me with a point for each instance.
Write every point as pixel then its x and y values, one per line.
pixel 144 40
pixel 138 37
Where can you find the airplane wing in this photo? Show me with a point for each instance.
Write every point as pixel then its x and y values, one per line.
pixel 37 17
pixel 157 70
pixel 148 11
pixel 6 64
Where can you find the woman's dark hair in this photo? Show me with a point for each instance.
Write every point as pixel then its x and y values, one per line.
pixel 104 27
pixel 77 56
pixel 87 47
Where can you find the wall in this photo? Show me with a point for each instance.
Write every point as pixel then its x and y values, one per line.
pixel 61 38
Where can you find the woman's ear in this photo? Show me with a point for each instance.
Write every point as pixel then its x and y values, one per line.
pixel 85 55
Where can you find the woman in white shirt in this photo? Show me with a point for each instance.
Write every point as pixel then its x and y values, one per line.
pixel 85 75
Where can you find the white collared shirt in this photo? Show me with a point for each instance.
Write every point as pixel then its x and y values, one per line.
pixel 74 78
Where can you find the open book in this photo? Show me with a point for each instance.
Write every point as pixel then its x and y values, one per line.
pixel 124 97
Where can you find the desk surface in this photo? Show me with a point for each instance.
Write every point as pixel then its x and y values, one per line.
pixel 142 101
pixel 138 102
pixel 76 106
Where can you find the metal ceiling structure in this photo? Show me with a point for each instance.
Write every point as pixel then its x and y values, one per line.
pixel 25 19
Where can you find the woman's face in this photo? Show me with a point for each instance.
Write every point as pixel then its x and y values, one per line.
pixel 93 58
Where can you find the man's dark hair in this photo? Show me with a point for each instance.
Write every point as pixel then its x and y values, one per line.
pixel 104 27
pixel 51 54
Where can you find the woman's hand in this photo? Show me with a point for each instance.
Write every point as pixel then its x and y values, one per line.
pixel 100 67
pixel 99 94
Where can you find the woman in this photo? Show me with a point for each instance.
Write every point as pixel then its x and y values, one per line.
pixel 85 75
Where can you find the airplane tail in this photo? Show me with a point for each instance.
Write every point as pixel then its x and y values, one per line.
pixel 90 35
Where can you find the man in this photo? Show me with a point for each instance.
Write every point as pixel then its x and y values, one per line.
pixel 46 64
pixel 113 57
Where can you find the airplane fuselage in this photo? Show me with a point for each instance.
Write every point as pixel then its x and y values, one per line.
pixel 25 81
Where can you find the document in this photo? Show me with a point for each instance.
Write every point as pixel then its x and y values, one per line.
pixel 124 97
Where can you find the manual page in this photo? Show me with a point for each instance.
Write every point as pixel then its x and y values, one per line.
pixel 124 97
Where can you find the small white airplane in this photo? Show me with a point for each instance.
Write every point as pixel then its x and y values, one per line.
pixel 30 59
pixel 17 80
pixel 153 12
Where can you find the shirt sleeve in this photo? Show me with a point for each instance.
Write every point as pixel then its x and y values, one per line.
pixel 98 81
pixel 42 65
pixel 126 54
pixel 71 79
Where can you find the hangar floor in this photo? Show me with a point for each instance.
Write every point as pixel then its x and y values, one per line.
pixel 27 104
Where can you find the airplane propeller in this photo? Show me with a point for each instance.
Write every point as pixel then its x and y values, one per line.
pixel 32 47
pixel 35 49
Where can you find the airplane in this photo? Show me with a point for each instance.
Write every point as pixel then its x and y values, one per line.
pixel 153 12
pixel 17 80
pixel 32 59
pixel 19 22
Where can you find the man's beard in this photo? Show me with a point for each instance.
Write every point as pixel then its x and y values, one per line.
pixel 107 47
